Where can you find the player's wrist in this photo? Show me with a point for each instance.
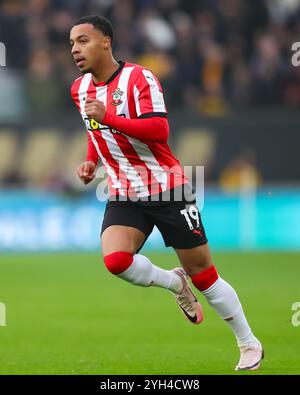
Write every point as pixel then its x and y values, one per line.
pixel 91 159
pixel 104 119
pixel 108 119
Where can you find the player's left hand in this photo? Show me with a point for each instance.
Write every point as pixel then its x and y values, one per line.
pixel 95 109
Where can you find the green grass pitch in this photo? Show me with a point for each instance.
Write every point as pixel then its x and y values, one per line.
pixel 67 315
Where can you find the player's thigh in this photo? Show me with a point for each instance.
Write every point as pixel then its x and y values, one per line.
pixel 181 226
pixel 121 238
pixel 196 259
pixel 125 227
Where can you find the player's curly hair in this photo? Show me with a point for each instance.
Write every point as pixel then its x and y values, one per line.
pixel 99 22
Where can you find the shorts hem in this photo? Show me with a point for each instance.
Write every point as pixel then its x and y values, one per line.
pixel 186 247
pixel 147 234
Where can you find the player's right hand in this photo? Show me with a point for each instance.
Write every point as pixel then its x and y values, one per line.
pixel 86 171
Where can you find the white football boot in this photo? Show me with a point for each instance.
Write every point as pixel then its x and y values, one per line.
pixel 187 301
pixel 250 357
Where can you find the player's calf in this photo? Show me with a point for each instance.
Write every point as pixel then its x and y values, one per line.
pixel 123 265
pixel 138 269
pixel 223 298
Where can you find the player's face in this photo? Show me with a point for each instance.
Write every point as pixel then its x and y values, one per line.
pixel 88 46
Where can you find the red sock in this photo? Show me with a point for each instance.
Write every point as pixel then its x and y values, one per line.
pixel 205 279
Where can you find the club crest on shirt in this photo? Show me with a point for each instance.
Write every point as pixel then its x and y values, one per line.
pixel 117 94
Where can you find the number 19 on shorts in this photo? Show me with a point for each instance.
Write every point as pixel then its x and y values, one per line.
pixel 191 212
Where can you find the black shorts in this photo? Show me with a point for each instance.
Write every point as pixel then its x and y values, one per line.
pixel 179 222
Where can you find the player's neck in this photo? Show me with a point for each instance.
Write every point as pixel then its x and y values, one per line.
pixel 105 70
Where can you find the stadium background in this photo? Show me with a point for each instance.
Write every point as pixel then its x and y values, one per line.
pixel 233 97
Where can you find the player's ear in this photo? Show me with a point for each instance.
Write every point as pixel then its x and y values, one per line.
pixel 106 42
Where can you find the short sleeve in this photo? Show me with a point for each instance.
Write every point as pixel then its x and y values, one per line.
pixel 148 95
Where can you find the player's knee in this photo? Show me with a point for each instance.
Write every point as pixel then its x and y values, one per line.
pixel 118 262
pixel 197 266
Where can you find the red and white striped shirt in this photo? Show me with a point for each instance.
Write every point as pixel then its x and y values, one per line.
pixel 137 166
